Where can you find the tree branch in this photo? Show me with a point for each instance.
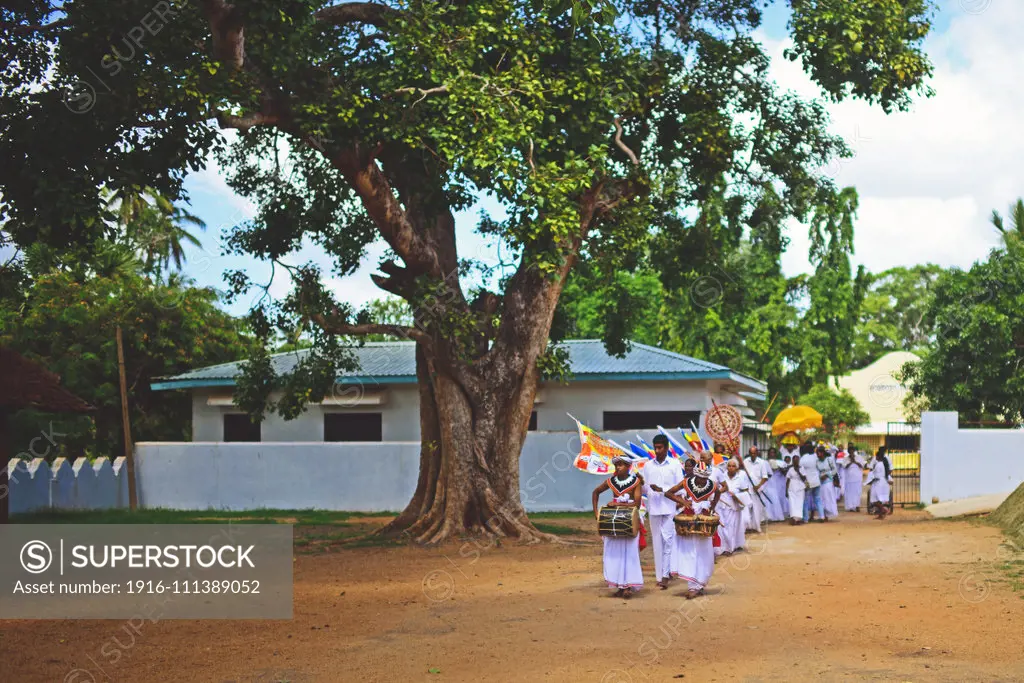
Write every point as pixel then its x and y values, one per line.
pixel 621 144
pixel 228 33
pixel 333 326
pixel 423 93
pixel 377 195
pixel 247 121
pixel 23 29
pixel 357 13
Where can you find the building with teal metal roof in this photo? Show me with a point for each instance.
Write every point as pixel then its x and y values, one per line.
pixel 380 402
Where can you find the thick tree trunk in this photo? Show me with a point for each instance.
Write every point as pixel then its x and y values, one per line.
pixel 469 458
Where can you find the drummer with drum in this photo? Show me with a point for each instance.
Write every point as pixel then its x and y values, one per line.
pixel 694 559
pixel 618 524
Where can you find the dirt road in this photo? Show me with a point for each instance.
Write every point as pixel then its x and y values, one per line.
pixel 907 599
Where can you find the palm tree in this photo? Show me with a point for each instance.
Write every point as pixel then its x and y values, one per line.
pixel 154 227
pixel 1016 230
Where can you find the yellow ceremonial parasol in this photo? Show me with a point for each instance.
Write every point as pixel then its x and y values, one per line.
pixel 795 419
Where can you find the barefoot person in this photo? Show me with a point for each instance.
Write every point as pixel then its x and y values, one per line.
pixel 759 472
pixel 878 483
pixel 622 555
pixel 827 473
pixel 660 475
pixel 734 499
pixel 796 487
pixel 694 559
pixel 776 488
pixel 853 479
pixel 812 483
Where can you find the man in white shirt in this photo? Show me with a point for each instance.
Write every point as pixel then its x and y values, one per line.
pixel 660 475
pixel 759 472
pixel 812 482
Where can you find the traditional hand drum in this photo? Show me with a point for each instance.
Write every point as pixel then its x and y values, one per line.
pixel 696 525
pixel 618 522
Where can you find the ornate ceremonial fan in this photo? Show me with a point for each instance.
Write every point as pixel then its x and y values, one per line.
pixel 724 424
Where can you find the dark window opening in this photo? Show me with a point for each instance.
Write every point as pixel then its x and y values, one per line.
pixel 353 427
pixel 238 427
pixel 533 422
pixel 620 420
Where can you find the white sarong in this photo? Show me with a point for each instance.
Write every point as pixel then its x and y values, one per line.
pixel 776 490
pixel 622 562
pixel 853 486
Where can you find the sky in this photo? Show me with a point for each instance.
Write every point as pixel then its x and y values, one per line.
pixel 928 179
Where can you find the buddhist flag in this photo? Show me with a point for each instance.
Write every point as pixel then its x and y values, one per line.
pixel 640 451
pixel 596 454
pixel 691 438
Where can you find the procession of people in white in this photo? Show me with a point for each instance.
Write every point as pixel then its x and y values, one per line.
pixel 801 483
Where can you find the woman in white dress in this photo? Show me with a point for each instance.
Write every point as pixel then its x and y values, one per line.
pixel 827 472
pixel 694 559
pixel 796 487
pixel 622 569
pixel 776 487
pixel 853 479
pixel 878 481
pixel 734 499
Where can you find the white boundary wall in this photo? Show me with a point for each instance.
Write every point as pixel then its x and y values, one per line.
pixel 35 485
pixel 364 477
pixel 961 463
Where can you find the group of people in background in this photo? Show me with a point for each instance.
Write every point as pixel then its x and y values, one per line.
pixel 811 480
pixel 799 482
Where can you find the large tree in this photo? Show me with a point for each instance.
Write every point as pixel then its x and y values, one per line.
pixel 974 365
pixel 591 122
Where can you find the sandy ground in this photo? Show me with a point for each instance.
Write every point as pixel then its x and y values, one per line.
pixel 907 599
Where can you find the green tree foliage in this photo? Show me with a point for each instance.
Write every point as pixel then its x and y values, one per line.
pixel 1013 232
pixel 895 313
pixel 973 365
pixel 68 326
pixel 837 407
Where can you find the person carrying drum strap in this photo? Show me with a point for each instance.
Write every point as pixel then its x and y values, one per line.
pixel 622 569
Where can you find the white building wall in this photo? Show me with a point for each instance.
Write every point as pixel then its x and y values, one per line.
pixel 961 463
pixel 586 400
pixel 400 416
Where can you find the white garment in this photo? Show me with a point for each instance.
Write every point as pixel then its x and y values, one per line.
pixel 622 562
pixel 776 489
pixel 797 491
pixel 758 471
pixel 829 496
pixel 732 530
pixel 853 481
pixel 664 475
pixel 663 543
pixel 622 556
pixel 879 491
pixel 809 467
pixel 694 559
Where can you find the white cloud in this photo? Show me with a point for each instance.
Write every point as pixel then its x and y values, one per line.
pixel 928 179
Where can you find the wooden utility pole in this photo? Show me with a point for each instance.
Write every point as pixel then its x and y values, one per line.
pixel 5 485
pixel 129 453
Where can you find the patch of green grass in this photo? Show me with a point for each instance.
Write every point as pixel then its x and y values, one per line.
pixel 164 516
pixel 556 529
pixel 560 515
